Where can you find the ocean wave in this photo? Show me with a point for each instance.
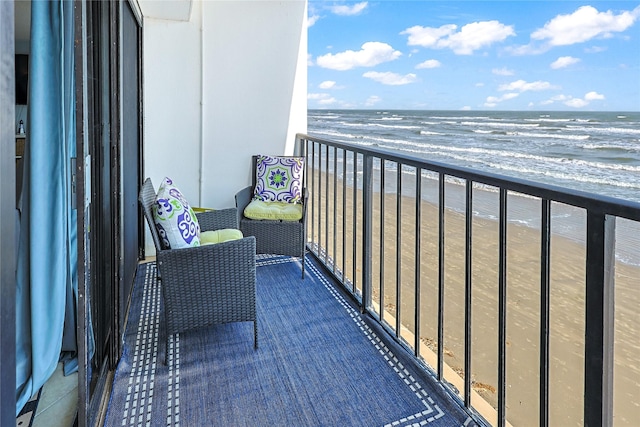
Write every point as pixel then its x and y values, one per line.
pixel 548 120
pixel 380 125
pixel 549 135
pixel 349 137
pixel 560 161
pixel 607 130
pixel 568 177
pixel 461 118
pixel 624 147
pixel 596 152
pixel 325 116
pixel 472 153
pixel 501 124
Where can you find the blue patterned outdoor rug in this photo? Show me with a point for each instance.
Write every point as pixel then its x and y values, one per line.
pixel 319 363
pixel 28 413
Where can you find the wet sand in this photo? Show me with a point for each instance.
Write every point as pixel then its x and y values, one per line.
pixel 523 306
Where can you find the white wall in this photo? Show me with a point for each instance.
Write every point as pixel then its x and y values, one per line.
pixel 228 83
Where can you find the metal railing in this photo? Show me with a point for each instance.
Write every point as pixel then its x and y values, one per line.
pixel 392 254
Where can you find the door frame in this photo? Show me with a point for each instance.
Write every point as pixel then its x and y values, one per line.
pixel 7 215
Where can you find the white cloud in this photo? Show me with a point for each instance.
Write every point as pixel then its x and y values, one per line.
pixel 370 54
pixel 389 78
pixel 493 101
pixel 349 10
pixel 555 98
pixel 576 103
pixel 372 100
pixel 507 96
pixel 595 49
pixel 504 71
pixel 429 63
pixel 593 96
pixel 321 98
pixel 327 84
pixel 470 38
pixel 583 25
pixel 466 108
pixel 523 86
pixel 564 61
pixel 428 36
pixel 311 20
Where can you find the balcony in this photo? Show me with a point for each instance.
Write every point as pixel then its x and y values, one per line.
pixel 522 324
pixel 486 321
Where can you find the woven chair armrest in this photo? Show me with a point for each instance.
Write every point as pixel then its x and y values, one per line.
pixel 218 219
pixel 243 198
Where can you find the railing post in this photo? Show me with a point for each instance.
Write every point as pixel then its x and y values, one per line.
pixel 545 281
pixel 599 328
pixel 367 229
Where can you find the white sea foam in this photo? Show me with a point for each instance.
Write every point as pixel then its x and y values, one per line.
pixel 549 135
pixel 379 125
pixel 548 120
pixel 461 118
pixel 501 124
pixel 605 130
pixel 612 146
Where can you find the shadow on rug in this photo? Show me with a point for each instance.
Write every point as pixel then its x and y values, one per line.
pixel 319 363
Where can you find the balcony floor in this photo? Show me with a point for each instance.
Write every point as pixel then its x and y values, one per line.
pixel 319 363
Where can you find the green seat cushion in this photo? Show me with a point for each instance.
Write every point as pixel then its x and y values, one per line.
pixel 283 211
pixel 219 236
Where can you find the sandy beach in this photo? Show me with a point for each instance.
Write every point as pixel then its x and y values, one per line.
pixel 523 303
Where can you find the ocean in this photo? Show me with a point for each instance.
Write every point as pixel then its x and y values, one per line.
pixel 596 152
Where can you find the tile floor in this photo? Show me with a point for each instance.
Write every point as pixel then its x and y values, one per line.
pixel 59 400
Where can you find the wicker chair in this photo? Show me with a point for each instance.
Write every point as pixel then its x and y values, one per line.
pixel 208 284
pixel 273 236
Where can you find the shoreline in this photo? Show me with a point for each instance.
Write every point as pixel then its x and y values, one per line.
pixel 523 302
pixel 566 221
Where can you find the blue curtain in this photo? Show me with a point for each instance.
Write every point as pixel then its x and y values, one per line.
pixel 47 253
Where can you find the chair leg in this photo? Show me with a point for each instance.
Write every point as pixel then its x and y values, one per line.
pixel 255 334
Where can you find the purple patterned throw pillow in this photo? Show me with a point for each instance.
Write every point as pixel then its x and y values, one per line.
pixel 175 221
pixel 279 179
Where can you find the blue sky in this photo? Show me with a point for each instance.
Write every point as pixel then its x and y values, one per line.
pixel 474 55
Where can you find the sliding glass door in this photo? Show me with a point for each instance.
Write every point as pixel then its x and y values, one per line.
pixel 111 110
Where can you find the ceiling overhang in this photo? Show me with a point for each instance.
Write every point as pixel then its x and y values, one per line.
pixel 173 10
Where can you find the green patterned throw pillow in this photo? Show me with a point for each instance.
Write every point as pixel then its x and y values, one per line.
pixel 175 221
pixel 279 179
